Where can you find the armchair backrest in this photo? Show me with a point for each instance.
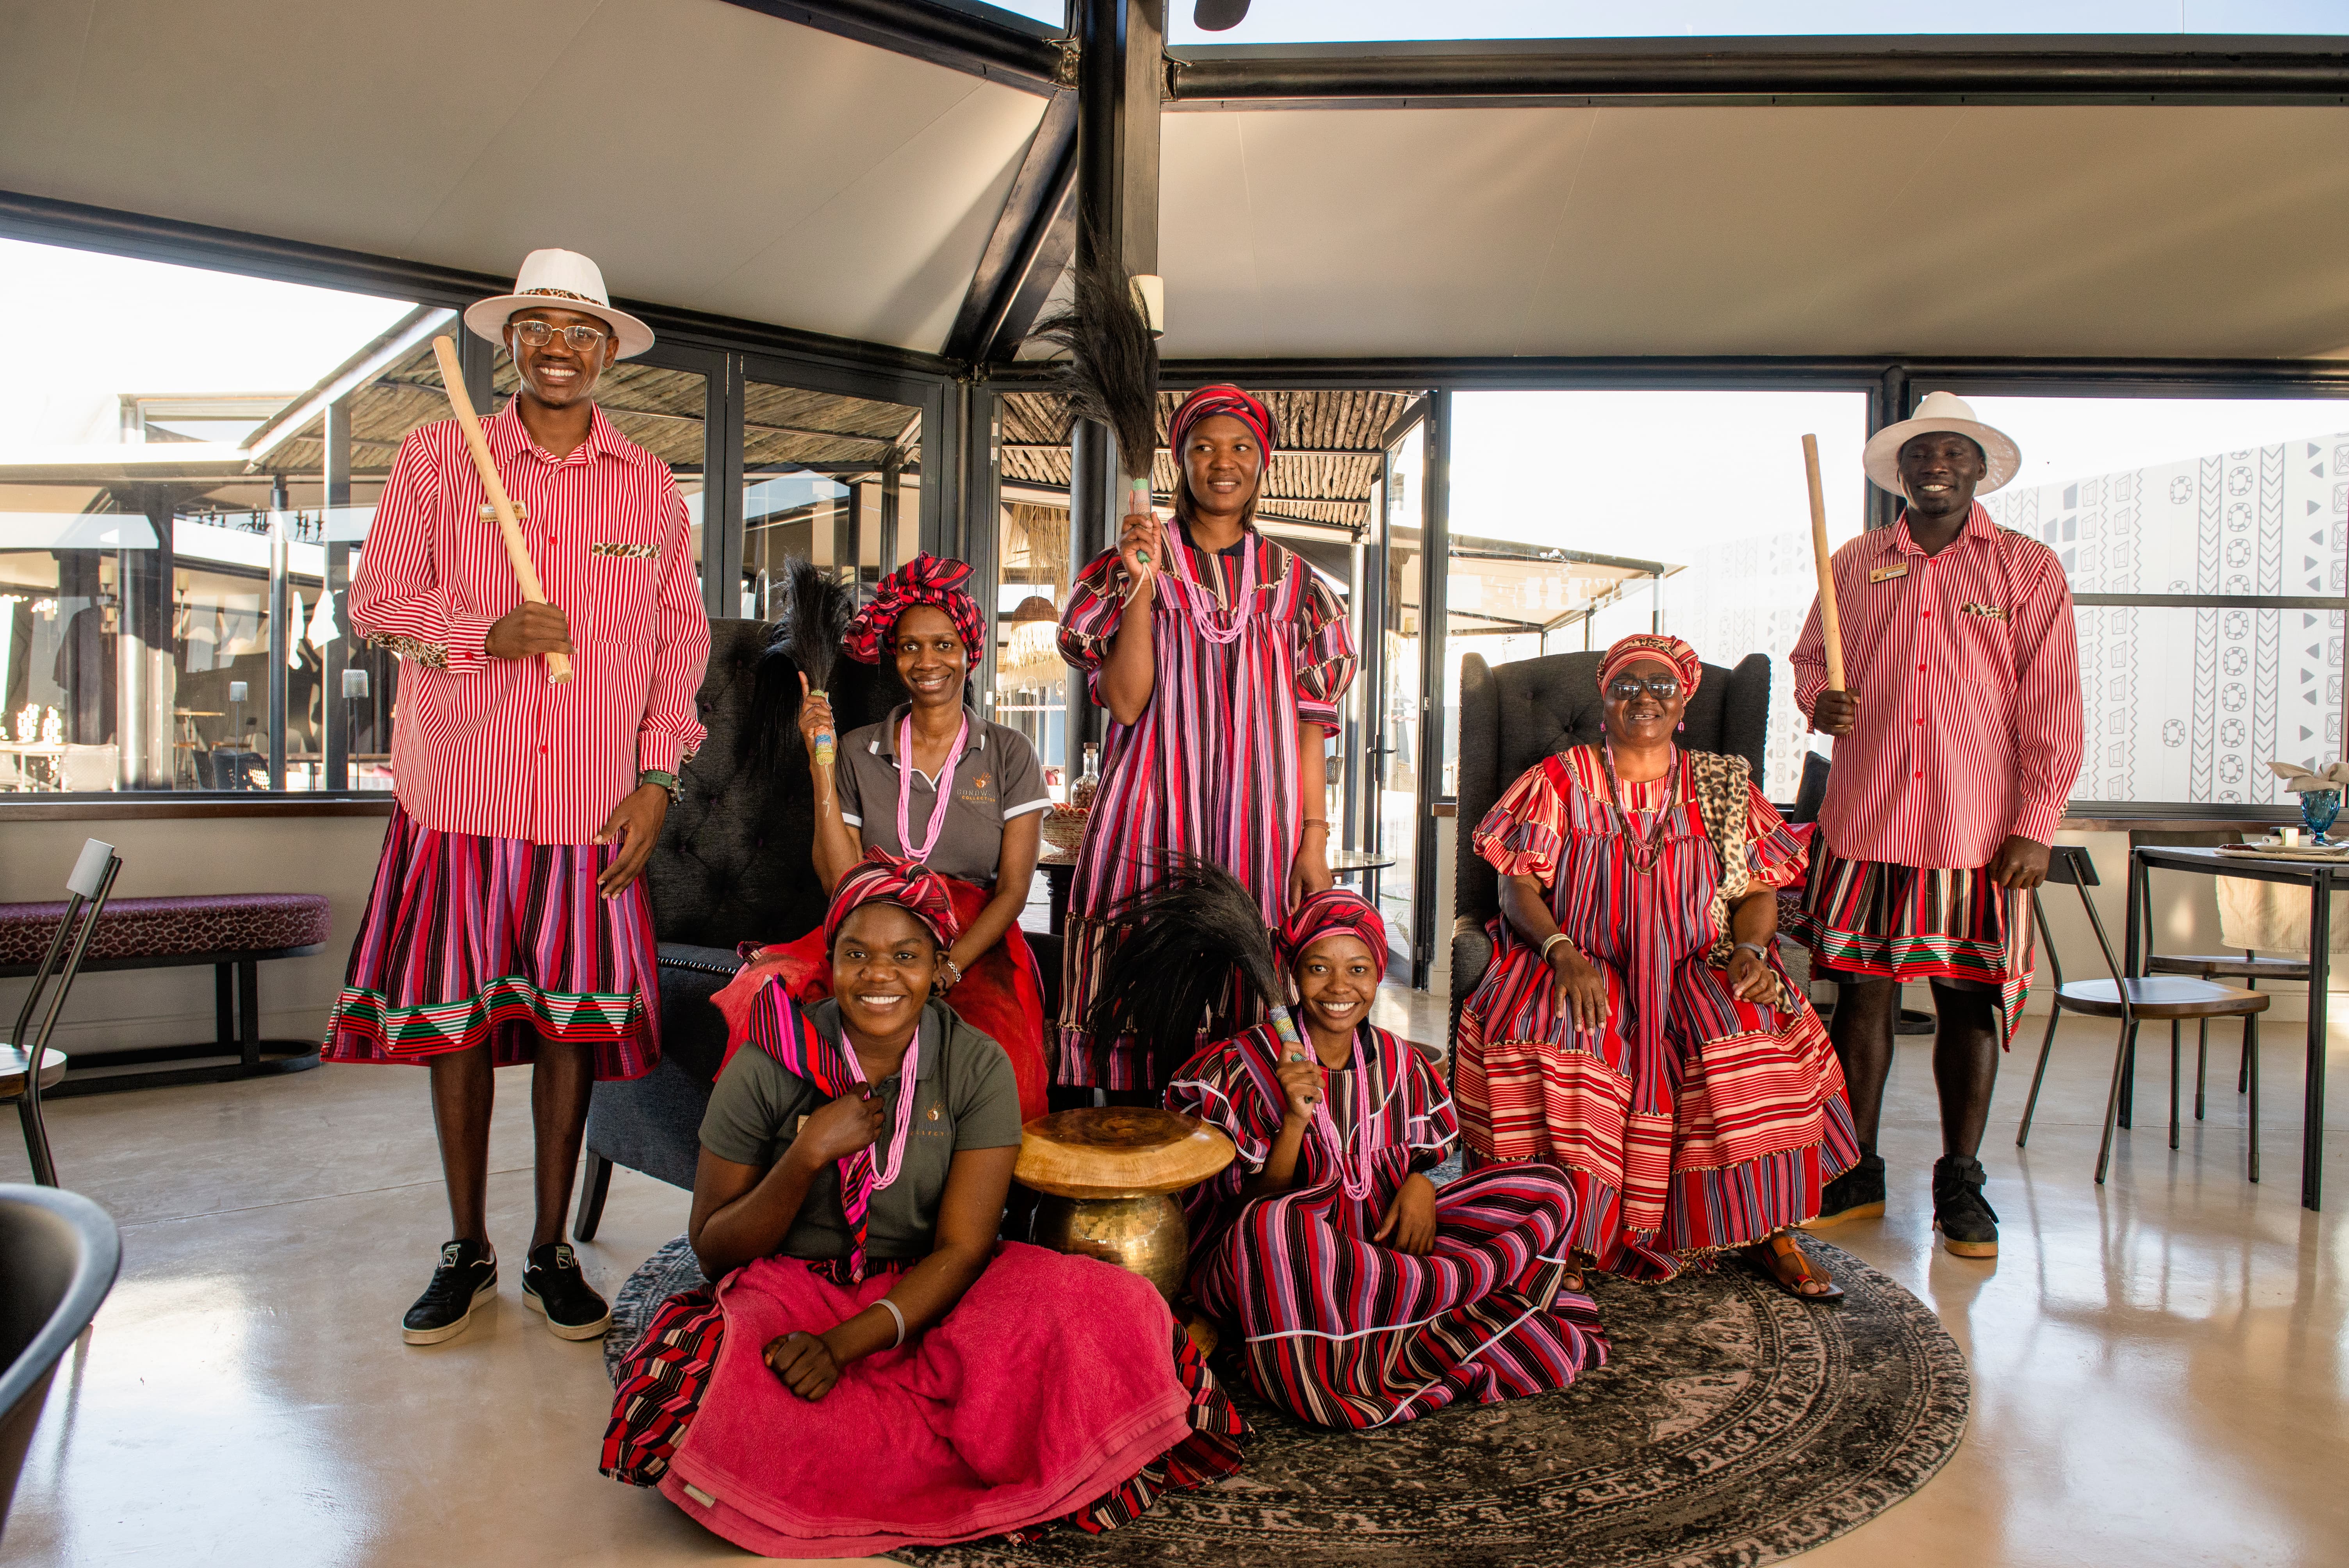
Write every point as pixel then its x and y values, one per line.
pixel 1514 715
pixel 734 862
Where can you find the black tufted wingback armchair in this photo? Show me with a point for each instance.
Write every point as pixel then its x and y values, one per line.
pixel 1514 715
pixel 733 865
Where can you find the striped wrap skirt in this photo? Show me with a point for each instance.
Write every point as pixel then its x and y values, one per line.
pixel 470 940
pixel 1915 922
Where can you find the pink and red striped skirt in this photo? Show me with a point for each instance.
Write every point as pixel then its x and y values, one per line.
pixel 470 940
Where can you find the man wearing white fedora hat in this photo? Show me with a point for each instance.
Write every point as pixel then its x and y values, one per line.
pixel 1957 742
pixel 507 923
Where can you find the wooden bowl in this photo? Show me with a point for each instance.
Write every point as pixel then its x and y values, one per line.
pixel 1118 1151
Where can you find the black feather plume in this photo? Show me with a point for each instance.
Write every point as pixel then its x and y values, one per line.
pixel 812 618
pixel 1183 939
pixel 1111 371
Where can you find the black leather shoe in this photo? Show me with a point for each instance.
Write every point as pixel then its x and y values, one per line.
pixel 554 1287
pixel 1968 1225
pixel 1857 1194
pixel 466 1277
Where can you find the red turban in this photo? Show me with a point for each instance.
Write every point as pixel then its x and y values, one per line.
pixel 1334 911
pixel 925 580
pixel 1663 650
pixel 883 878
pixel 1222 398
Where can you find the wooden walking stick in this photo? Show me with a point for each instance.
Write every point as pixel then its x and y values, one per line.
pixel 453 375
pixel 1829 629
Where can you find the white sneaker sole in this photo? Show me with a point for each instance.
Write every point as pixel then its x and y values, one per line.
pixel 595 1330
pixel 488 1292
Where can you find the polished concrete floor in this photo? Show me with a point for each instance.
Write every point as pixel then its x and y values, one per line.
pixel 2159 1364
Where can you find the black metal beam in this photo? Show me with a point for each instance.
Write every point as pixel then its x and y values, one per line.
pixel 1765 71
pixel 979 39
pixel 1016 249
pixel 2200 377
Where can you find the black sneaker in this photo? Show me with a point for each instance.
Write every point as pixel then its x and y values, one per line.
pixel 1857 1194
pixel 1968 1225
pixel 466 1277
pixel 552 1285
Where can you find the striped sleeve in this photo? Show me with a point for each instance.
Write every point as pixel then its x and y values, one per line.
pixel 1433 1130
pixel 1096 606
pixel 398 599
pixel 1524 831
pixel 1774 855
pixel 671 730
pixel 1325 653
pixel 2048 723
pixel 1217 1087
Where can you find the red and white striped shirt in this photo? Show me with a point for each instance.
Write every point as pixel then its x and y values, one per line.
pixel 489 746
pixel 1967 675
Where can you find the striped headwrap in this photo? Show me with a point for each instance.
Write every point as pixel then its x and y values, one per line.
pixel 1334 911
pixel 883 878
pixel 1663 650
pixel 1222 397
pixel 925 580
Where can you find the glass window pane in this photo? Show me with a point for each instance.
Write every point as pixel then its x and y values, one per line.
pixel 664 411
pixel 1030 692
pixel 1398 782
pixel 829 477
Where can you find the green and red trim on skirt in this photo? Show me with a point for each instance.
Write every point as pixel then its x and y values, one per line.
pixel 1916 923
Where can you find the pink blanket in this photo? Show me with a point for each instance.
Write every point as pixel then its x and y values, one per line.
pixel 1049 1385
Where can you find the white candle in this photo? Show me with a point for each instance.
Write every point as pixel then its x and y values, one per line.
pixel 2292 838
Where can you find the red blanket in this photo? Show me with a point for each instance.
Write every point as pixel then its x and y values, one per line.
pixel 1001 995
pixel 1049 1385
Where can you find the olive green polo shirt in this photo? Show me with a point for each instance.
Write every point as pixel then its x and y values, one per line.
pixel 964 1098
pixel 998 779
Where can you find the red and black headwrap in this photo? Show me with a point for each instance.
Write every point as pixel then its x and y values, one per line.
pixel 1222 397
pixel 925 580
pixel 1334 911
pixel 883 878
pixel 1662 649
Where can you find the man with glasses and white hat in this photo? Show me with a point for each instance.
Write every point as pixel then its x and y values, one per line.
pixel 1956 743
pixel 507 922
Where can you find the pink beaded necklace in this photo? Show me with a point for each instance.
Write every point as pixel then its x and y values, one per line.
pixel 908 1075
pixel 1353 1156
pixel 1223 625
pixel 906 771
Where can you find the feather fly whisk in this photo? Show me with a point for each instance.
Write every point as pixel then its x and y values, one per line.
pixel 1111 374
pixel 817 608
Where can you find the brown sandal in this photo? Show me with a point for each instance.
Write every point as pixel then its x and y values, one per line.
pixel 1782 1257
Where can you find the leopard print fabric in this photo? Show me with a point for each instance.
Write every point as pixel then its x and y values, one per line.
pixel 1719 784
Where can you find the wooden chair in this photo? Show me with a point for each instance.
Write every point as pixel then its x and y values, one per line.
pixel 2173 997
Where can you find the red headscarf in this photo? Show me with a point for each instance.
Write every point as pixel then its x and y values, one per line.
pixel 925 580
pixel 1222 398
pixel 1663 650
pixel 1334 911
pixel 883 878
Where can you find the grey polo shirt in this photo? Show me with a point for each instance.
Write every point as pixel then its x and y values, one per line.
pixel 964 1098
pixel 999 778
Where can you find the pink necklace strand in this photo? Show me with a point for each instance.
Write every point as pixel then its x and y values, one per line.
pixel 908 1075
pixel 1220 632
pixel 906 771
pixel 1354 1156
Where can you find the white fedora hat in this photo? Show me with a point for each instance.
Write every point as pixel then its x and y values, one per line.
pixel 564 280
pixel 1941 411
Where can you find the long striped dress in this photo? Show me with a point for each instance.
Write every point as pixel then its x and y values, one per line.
pixel 1210 767
pixel 1693 1122
pixel 1336 1327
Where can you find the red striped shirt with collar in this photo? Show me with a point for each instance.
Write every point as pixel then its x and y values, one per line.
pixel 489 746
pixel 1968 673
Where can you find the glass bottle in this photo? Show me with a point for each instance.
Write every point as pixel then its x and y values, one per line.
pixel 1088 783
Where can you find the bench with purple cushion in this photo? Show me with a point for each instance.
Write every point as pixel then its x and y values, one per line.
pixel 231 932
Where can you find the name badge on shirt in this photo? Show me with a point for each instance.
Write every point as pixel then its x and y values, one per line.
pixel 1987 612
pixel 1887 573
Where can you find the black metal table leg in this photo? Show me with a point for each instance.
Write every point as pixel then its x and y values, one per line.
pixel 2320 965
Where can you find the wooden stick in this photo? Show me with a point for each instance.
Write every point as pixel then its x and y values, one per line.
pixel 453 375
pixel 1829 627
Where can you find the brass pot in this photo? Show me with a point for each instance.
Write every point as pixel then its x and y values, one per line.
pixel 1144 1235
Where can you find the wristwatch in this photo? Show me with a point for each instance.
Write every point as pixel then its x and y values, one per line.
pixel 1756 949
pixel 665 780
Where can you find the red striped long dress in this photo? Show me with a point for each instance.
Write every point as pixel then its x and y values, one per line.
pixel 1693 1122
pixel 1211 765
pixel 1336 1327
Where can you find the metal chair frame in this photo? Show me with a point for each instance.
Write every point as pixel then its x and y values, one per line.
pixel 88 889
pixel 2071 864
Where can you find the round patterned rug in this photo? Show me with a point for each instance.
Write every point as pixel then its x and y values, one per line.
pixel 1731 1424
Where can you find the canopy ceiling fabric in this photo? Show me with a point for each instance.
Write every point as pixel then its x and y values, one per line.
pixel 709 157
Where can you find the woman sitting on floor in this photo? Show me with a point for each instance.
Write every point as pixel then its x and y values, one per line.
pixel 1364 1293
pixel 883 790
pixel 874 1369
pixel 1636 1026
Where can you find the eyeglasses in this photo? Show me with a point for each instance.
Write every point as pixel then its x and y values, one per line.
pixel 539 334
pixel 1623 689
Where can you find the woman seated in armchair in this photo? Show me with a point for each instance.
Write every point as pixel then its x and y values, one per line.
pixel 1363 1294
pixel 873 1369
pixel 1636 1026
pixel 887 789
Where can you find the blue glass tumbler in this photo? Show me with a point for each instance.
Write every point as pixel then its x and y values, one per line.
pixel 2317 810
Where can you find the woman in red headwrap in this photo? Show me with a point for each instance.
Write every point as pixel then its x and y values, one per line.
pixel 1636 1026
pixel 1362 1292
pixel 873 1369
pixel 1221 656
pixel 882 791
